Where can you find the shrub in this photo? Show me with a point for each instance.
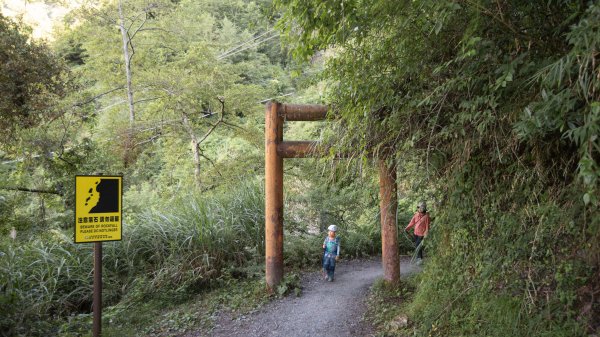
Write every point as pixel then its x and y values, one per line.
pixel 176 249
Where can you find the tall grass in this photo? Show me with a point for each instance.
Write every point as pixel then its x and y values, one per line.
pixel 41 280
pixel 178 247
pixel 194 237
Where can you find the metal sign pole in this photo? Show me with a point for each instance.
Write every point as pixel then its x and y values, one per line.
pixel 97 301
pixel 98 218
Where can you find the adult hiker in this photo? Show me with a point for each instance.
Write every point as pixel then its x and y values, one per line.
pixel 331 253
pixel 420 221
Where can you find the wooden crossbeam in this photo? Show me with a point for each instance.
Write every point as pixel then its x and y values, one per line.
pixel 298 149
pixel 303 112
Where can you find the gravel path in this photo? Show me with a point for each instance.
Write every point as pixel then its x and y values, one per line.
pixel 323 308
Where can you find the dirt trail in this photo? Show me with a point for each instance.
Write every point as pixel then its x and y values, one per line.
pixel 323 309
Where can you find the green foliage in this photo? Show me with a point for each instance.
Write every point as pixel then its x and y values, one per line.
pixel 179 70
pixel 42 279
pixel 162 314
pixel 490 108
pixel 183 250
pixel 290 283
pixel 301 251
pixel 495 104
pixel 32 79
pixel 183 233
pixel 386 305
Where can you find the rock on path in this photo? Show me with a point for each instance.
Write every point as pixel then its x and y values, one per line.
pixel 323 309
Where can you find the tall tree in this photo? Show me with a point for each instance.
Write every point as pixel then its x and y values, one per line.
pixel 171 62
pixel 32 79
pixel 127 56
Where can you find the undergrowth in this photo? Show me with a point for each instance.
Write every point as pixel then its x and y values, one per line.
pixel 521 272
pixel 167 314
pixel 387 307
pixel 497 105
pixel 196 247
pixel 179 250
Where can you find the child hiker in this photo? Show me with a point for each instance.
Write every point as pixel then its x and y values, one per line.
pixel 331 252
pixel 421 223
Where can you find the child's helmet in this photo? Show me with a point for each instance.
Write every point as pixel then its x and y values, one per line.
pixel 422 205
pixel 332 228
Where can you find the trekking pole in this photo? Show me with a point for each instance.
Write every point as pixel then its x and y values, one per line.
pixel 322 261
pixel 412 242
pixel 416 252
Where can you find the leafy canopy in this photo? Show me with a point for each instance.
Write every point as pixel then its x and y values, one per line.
pixel 31 80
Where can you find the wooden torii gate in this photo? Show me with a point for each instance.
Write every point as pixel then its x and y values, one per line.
pixel 276 149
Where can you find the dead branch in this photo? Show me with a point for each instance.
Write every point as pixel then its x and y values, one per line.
pixel 30 190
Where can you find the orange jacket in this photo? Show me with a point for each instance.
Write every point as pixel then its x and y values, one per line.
pixel 421 223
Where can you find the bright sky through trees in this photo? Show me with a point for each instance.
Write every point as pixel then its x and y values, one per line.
pixel 41 16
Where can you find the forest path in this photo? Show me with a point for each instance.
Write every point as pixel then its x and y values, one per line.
pixel 323 309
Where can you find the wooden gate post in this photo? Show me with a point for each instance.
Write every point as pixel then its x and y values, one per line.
pixel 273 196
pixel 275 151
pixel 388 204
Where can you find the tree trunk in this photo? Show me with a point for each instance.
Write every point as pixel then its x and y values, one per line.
pixel 127 57
pixel 388 204
pixel 195 147
pixel 128 141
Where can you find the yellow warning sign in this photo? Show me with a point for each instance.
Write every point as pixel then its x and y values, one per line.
pixel 98 208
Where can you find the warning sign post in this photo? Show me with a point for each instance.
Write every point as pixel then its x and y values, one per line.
pixel 98 208
pixel 98 218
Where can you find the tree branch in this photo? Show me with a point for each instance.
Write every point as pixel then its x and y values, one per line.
pixel 97 96
pixel 129 42
pixel 214 126
pixel 495 17
pixel 147 99
pixel 31 190
pixel 149 140
pixel 233 125
pixel 137 30
pixel 210 161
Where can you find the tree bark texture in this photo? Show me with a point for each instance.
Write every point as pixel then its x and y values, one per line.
pixel 388 203
pixel 195 144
